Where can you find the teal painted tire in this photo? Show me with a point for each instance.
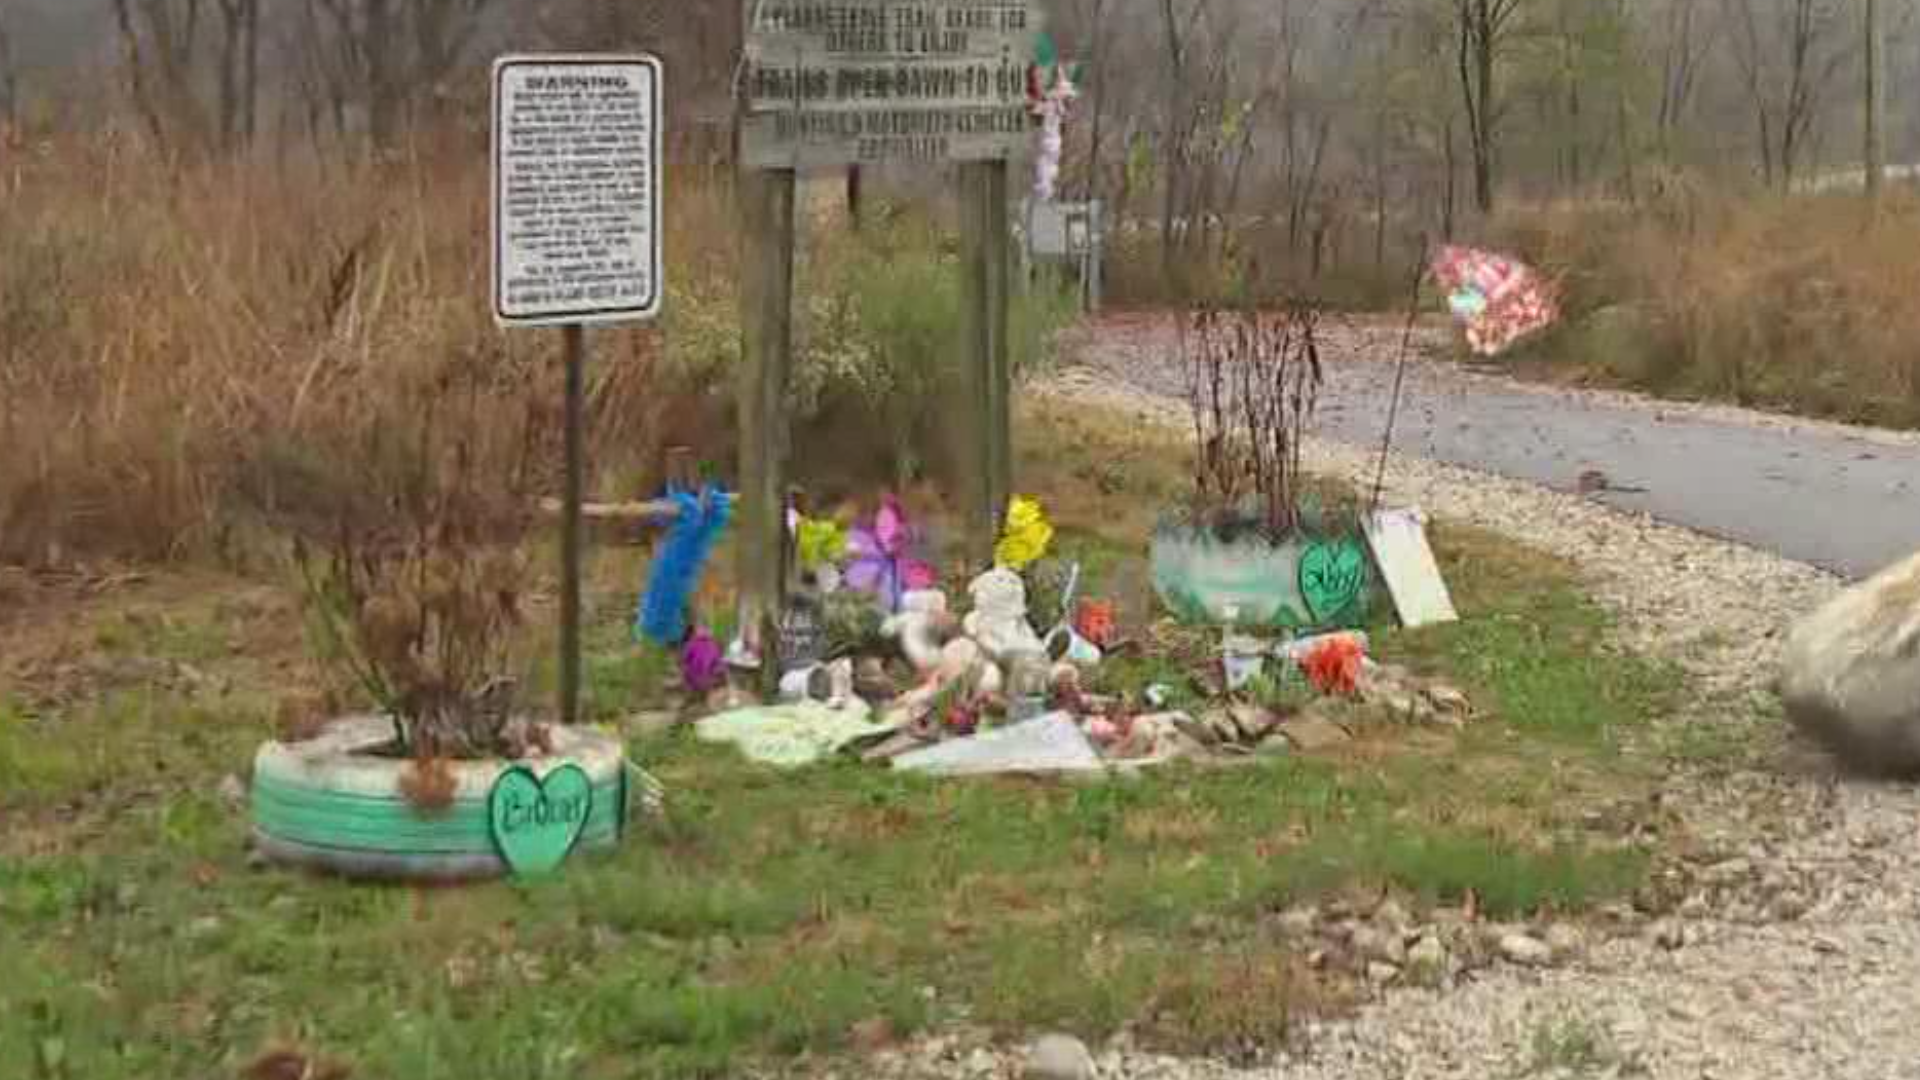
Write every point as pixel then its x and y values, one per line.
pixel 332 805
pixel 1202 579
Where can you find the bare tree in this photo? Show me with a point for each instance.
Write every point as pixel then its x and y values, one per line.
pixel 157 40
pixel 1786 64
pixel 166 46
pixel 1686 45
pixel 9 84
pixel 1303 155
pixel 1175 148
pixel 1483 27
pixel 383 60
pixel 1101 31
pixel 1876 43
pixel 239 74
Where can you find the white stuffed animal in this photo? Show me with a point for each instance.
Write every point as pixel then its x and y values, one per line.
pixel 999 618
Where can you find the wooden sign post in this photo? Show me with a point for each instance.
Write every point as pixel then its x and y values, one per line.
pixel 866 82
pixel 766 299
pixel 985 255
pixel 576 239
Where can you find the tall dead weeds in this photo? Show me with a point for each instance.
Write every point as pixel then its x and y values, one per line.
pixel 1800 304
pixel 175 342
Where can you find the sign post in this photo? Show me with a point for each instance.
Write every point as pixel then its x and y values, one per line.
pixel 766 299
pixel 985 262
pixel 867 82
pixel 576 239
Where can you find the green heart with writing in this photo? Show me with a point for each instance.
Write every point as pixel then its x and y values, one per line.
pixel 1332 576
pixel 535 822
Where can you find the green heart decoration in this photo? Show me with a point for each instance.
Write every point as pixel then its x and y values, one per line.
pixel 535 822
pixel 1332 576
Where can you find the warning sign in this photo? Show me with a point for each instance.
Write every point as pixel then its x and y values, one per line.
pixel 576 189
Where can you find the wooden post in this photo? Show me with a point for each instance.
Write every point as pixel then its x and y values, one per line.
pixel 767 211
pixel 1096 255
pixel 575 347
pixel 986 366
pixel 680 470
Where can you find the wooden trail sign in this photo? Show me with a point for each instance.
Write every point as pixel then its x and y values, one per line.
pixel 835 83
pixel 831 83
pixel 576 238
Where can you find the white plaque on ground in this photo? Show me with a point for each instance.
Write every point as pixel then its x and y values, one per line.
pixel 1400 549
pixel 576 189
pixel 1049 744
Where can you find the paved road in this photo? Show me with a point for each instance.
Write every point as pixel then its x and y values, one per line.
pixel 1846 500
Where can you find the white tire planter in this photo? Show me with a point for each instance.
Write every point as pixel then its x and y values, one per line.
pixel 332 804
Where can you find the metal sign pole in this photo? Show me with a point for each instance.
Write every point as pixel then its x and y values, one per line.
pixel 576 139
pixel 573 337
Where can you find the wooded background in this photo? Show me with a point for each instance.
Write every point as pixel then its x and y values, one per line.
pixel 1404 113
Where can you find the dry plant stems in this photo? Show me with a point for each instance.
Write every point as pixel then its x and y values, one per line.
pixel 172 333
pixel 420 603
pixel 1253 382
pixel 429 629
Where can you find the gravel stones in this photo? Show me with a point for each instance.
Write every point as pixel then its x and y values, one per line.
pixel 1525 949
pixel 1428 960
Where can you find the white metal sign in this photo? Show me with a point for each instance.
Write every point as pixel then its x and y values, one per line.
pixel 576 189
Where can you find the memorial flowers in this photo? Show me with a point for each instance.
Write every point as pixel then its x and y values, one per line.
pixel 1026 535
pixel 884 560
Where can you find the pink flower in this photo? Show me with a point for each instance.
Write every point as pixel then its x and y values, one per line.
pixel 883 563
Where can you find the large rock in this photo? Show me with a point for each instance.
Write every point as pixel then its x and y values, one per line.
pixel 1852 673
pixel 1059 1057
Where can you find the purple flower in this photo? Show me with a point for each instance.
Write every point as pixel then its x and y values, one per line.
pixel 882 560
pixel 703 667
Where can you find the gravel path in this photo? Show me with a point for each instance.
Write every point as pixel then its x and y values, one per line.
pixel 1774 483
pixel 1796 951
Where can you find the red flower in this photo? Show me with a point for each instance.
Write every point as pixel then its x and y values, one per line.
pixel 1334 666
pixel 1096 621
pixel 962 719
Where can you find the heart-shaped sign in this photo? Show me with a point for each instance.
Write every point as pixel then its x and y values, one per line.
pixel 535 822
pixel 1332 576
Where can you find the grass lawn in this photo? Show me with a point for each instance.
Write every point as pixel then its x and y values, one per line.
pixel 769 916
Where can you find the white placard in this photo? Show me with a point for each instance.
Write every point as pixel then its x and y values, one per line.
pixel 1400 549
pixel 576 189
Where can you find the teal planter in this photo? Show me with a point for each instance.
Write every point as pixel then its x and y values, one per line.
pixel 333 804
pixel 1305 584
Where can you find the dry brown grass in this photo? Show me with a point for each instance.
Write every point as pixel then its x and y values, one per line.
pixel 1803 305
pixel 178 344
pixel 190 353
